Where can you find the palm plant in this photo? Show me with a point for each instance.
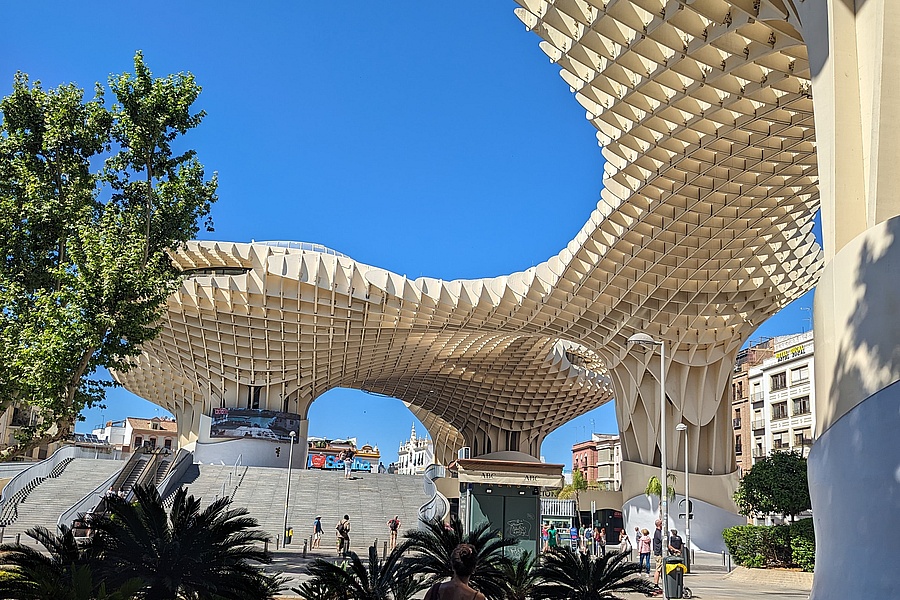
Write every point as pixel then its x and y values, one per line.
pixel 579 484
pixel 62 572
pixel 377 580
pixel 187 553
pixel 654 488
pixel 569 575
pixel 521 577
pixel 430 548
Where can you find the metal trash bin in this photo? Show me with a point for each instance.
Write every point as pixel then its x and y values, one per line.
pixel 288 535
pixel 674 576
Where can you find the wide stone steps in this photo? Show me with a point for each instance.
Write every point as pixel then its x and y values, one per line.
pixel 53 496
pixel 370 499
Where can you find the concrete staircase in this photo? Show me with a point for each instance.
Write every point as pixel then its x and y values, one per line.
pixel 370 499
pixel 53 496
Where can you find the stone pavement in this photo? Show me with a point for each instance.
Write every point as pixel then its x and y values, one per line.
pixel 709 581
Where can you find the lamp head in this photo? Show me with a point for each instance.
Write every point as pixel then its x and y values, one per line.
pixel 644 340
pixel 681 427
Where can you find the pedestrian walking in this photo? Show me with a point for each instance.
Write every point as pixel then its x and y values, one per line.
pixel 625 545
pixel 343 536
pixel 317 531
pixel 348 462
pixel 587 535
pixel 644 551
pixel 600 536
pixel 552 537
pixel 393 527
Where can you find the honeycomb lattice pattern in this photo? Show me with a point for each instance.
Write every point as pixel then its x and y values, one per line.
pixel 703 230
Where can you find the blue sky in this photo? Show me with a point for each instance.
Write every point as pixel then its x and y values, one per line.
pixel 415 136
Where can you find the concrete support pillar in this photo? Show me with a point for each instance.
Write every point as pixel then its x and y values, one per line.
pixel 854 478
pixel 301 450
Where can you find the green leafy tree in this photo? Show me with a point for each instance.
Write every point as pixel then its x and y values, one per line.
pixel 188 552
pixel 374 580
pixel 429 553
pixel 777 484
pixel 85 267
pixel 572 490
pixel 569 575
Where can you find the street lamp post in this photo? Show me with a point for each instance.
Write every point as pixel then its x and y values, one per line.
pixel 646 341
pixel 687 498
pixel 287 492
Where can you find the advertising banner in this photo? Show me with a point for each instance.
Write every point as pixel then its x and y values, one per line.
pixel 254 423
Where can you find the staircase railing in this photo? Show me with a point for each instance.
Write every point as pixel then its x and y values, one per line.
pixel 130 465
pixel 232 476
pixel 20 486
pixel 170 484
pixel 438 507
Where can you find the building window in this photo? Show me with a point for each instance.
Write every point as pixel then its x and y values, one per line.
pixel 738 447
pixel 779 381
pixel 780 440
pixel 138 441
pixel 801 406
pixel 167 444
pixel 803 437
pixel 779 410
pixel 800 374
pixel 152 443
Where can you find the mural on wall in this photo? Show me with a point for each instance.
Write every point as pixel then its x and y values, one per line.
pixel 253 423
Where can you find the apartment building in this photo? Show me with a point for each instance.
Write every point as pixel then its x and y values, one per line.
pixel 600 460
pixel 742 419
pixel 782 399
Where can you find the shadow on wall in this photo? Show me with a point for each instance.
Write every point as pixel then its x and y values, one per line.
pixel 706 527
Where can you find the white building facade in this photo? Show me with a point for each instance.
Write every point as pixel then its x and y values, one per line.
pixel 783 398
pixel 415 454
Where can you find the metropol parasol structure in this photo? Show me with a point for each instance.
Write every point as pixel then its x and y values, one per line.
pixel 726 125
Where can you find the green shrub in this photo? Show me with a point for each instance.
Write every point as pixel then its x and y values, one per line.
pixel 803 545
pixel 759 546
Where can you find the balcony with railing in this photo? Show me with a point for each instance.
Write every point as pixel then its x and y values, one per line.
pixel 759 452
pixel 736 423
pixel 757 397
pixel 758 424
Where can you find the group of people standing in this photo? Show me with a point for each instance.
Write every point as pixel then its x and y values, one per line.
pixel 346 457
pixel 589 540
pixel 342 530
pixel 647 544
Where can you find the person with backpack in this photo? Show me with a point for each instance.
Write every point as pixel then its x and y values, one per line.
pixel 394 526
pixel 343 536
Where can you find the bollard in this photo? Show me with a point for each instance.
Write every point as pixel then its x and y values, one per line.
pixel 266 545
pixel 277 540
pixel 2 532
pixel 18 536
pixel 728 567
pixel 723 558
pixel 384 552
pixel 304 548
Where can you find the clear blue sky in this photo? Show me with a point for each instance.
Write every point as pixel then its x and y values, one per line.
pixel 415 136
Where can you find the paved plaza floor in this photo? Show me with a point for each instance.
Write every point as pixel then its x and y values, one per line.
pixel 709 581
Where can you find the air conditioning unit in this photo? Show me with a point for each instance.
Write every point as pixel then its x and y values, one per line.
pixel 464 452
